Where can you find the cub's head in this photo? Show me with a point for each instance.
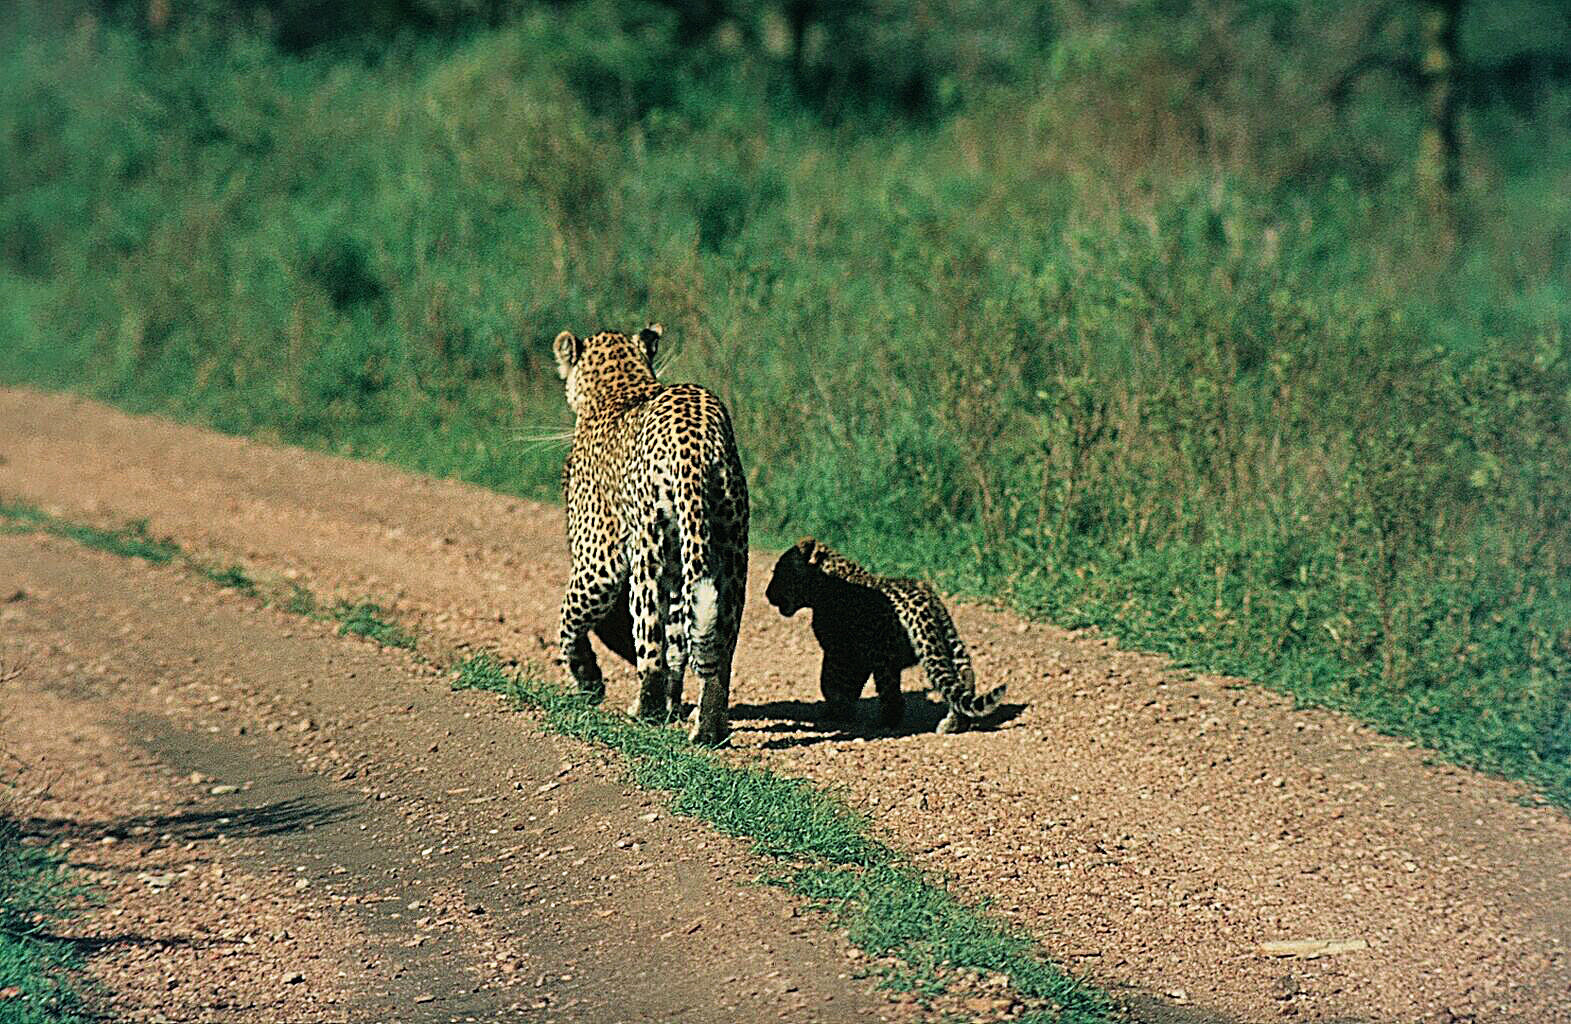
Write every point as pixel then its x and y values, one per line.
pixel 605 363
pixel 790 588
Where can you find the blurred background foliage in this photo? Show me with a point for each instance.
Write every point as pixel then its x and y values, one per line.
pixel 1237 328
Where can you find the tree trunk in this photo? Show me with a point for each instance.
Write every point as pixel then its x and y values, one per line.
pixel 1443 70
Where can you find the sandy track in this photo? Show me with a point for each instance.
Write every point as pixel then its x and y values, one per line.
pixel 1151 829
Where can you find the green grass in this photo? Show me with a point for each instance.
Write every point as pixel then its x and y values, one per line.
pixel 366 619
pixel 299 601
pixel 131 540
pixel 231 576
pixel 887 907
pixel 134 541
pixel 35 890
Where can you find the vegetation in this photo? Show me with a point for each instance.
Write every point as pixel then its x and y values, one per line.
pixel 35 986
pixel 368 620
pixel 231 576
pixel 131 540
pixel 1237 329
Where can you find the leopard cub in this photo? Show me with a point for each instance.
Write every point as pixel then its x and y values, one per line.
pixel 870 625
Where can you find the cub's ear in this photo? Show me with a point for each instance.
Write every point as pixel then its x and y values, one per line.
pixel 650 336
pixel 810 550
pixel 568 348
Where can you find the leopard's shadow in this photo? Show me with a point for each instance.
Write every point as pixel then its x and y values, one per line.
pixel 805 722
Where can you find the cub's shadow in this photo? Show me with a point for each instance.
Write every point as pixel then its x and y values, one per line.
pixel 807 722
pixel 803 723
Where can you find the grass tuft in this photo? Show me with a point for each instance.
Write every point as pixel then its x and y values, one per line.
pixel 131 540
pixel 365 619
pixel 232 577
pixel 34 967
pixel 299 601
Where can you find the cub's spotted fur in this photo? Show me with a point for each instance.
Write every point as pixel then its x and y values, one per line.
pixel 656 511
pixel 870 625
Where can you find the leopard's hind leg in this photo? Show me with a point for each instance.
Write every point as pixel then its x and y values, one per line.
pixel 647 605
pixel 678 628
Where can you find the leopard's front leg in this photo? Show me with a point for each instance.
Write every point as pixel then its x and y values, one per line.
pixel 588 599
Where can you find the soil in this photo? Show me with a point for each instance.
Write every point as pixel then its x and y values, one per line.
pixel 1156 830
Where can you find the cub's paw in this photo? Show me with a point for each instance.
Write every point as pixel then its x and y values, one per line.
pixel 951 724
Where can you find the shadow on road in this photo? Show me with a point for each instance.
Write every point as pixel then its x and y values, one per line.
pixel 804 722
pixel 276 817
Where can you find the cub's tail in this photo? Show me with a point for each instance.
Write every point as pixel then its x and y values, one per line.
pixel 980 705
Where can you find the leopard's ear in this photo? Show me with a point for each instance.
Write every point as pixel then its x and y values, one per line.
pixel 810 550
pixel 568 348
pixel 650 336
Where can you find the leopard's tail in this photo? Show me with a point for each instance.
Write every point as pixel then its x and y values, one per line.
pixel 705 606
pixel 980 705
pixel 712 612
pixel 963 698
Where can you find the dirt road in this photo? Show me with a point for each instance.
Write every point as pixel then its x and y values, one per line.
pixel 289 825
pixel 1152 830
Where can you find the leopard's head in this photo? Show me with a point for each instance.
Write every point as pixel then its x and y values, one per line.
pixel 790 588
pixel 604 364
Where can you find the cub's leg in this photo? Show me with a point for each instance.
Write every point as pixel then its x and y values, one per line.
pixel 588 599
pixel 891 702
pixel 616 629
pixel 841 680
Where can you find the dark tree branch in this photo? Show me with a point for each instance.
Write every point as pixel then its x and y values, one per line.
pixel 1405 69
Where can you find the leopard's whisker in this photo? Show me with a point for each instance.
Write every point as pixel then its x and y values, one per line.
pixel 563 436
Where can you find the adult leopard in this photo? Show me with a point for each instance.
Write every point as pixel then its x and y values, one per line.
pixel 656 504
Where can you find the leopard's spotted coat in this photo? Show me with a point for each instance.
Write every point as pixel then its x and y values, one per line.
pixel 656 509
